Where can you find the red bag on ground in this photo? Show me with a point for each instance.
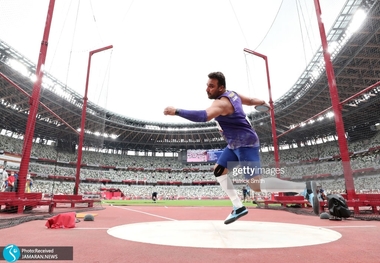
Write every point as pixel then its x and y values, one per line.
pixel 65 220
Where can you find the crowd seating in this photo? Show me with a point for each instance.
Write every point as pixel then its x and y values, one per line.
pixel 293 155
pixel 139 176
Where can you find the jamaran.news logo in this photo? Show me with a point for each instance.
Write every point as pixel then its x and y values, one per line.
pixel 11 253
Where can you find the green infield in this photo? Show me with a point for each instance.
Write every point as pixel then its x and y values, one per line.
pixel 173 203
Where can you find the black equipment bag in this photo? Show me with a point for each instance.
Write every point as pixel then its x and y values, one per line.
pixel 338 206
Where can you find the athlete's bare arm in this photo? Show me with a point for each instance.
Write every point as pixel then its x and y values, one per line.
pixel 251 101
pixel 219 107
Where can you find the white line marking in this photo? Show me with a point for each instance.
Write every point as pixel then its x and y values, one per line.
pixel 220 235
pixel 102 228
pixel 146 213
pixel 345 226
pixel 91 228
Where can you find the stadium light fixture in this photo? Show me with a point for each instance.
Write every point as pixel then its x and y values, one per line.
pixel 330 114
pixel 33 78
pixel 357 20
pixel 316 73
pixel 19 67
pixel 47 82
pixel 334 48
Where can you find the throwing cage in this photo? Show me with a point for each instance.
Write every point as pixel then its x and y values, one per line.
pixel 353 140
pixel 18 193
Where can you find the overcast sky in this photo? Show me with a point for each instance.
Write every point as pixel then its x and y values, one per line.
pixel 163 50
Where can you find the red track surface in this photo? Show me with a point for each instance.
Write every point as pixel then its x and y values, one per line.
pixel 359 242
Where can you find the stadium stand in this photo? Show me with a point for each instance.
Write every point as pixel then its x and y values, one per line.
pixel 54 177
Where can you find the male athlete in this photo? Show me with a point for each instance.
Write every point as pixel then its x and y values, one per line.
pixel 242 145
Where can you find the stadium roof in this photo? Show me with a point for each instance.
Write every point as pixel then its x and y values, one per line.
pixel 356 65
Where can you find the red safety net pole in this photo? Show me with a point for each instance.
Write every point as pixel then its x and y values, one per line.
pixel 337 108
pixel 34 102
pixel 274 133
pixel 83 121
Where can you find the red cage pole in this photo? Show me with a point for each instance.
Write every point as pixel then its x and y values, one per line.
pixel 274 133
pixel 83 121
pixel 337 108
pixel 34 102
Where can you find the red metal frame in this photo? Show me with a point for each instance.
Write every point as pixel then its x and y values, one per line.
pixel 337 108
pixel 274 133
pixel 353 200
pixel 34 102
pixel 83 121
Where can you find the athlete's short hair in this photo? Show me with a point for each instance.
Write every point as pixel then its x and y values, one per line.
pixel 218 76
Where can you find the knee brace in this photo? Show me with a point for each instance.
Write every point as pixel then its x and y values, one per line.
pixel 218 171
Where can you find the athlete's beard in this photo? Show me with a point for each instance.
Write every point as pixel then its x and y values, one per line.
pixel 212 96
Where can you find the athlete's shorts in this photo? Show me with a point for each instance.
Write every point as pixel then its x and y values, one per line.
pixel 241 161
